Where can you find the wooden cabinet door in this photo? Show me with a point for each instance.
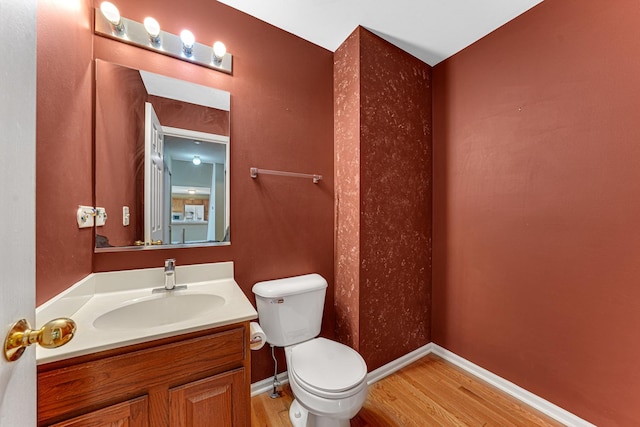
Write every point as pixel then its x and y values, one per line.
pixel 215 401
pixel 132 413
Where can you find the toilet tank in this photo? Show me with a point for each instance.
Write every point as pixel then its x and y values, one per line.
pixel 290 310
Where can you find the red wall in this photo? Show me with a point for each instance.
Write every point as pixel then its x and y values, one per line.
pixel 119 146
pixel 383 198
pixel 64 174
pixel 184 115
pixel 536 205
pixel 281 118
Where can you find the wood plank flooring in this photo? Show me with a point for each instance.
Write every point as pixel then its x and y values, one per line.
pixel 429 392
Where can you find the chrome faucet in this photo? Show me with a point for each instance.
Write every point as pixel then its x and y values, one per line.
pixel 169 278
pixel 169 274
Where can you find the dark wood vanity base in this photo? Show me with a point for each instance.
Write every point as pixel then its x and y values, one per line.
pixel 197 379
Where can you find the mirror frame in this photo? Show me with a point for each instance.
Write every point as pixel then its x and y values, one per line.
pixel 176 94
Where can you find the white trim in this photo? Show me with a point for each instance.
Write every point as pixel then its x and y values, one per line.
pixel 399 363
pixel 266 384
pixel 194 134
pixel 524 396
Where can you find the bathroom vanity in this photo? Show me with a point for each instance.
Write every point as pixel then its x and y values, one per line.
pixel 187 380
pixel 189 369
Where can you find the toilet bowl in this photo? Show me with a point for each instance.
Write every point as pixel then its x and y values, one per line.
pixel 329 382
pixel 328 379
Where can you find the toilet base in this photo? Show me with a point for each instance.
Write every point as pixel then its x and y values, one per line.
pixel 300 417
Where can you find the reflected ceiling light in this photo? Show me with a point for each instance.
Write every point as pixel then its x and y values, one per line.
pixel 111 12
pixel 219 51
pixel 153 29
pixel 196 160
pixel 190 191
pixel 188 40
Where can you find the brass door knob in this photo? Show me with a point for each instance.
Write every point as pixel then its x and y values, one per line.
pixel 53 334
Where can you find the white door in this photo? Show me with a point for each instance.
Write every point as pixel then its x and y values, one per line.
pixel 153 177
pixel 166 193
pixel 17 193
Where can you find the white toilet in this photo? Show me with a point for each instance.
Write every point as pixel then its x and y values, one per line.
pixel 328 379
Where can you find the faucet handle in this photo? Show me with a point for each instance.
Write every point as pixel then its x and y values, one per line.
pixel 169 264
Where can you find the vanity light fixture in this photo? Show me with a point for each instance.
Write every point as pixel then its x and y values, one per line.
pixel 188 40
pixel 112 14
pixel 148 35
pixel 153 29
pixel 196 160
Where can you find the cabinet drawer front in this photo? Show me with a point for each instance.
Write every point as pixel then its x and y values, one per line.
pixel 75 389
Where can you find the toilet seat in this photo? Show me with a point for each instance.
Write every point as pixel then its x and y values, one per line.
pixel 327 368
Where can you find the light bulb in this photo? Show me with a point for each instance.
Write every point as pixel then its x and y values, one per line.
pixel 196 160
pixel 191 191
pixel 111 12
pixel 219 51
pixel 188 40
pixel 153 29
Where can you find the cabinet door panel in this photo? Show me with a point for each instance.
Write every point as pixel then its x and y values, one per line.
pixel 132 413
pixel 216 400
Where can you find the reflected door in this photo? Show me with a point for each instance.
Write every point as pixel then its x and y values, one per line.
pixel 153 177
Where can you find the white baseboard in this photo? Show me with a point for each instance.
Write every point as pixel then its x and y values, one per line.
pixel 395 365
pixel 526 397
pixel 266 385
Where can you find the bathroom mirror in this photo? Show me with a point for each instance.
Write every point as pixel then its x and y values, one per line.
pixel 161 161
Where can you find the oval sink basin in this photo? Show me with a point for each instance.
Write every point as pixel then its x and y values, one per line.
pixel 163 309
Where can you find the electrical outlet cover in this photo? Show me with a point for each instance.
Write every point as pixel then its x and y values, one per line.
pixel 84 216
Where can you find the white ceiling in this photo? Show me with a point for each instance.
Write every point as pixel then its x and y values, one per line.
pixel 431 30
pixel 168 87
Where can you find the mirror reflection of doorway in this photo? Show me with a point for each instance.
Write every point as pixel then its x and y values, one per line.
pixel 196 163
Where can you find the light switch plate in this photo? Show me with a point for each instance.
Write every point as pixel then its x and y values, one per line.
pixel 125 215
pixel 101 216
pixel 84 216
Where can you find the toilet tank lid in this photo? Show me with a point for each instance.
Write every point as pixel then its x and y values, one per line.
pixel 289 286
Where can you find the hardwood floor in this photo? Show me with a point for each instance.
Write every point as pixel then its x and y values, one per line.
pixel 429 392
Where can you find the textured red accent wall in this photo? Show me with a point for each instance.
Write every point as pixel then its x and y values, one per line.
pixel 119 144
pixel 347 199
pixel 64 174
pixel 383 167
pixel 281 118
pixel 537 201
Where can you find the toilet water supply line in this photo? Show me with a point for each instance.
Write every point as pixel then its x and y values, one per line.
pixel 275 393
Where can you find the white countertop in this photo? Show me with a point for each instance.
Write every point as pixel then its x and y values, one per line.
pixel 100 293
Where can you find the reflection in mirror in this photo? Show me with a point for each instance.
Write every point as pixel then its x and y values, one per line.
pixel 162 161
pixel 197 190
